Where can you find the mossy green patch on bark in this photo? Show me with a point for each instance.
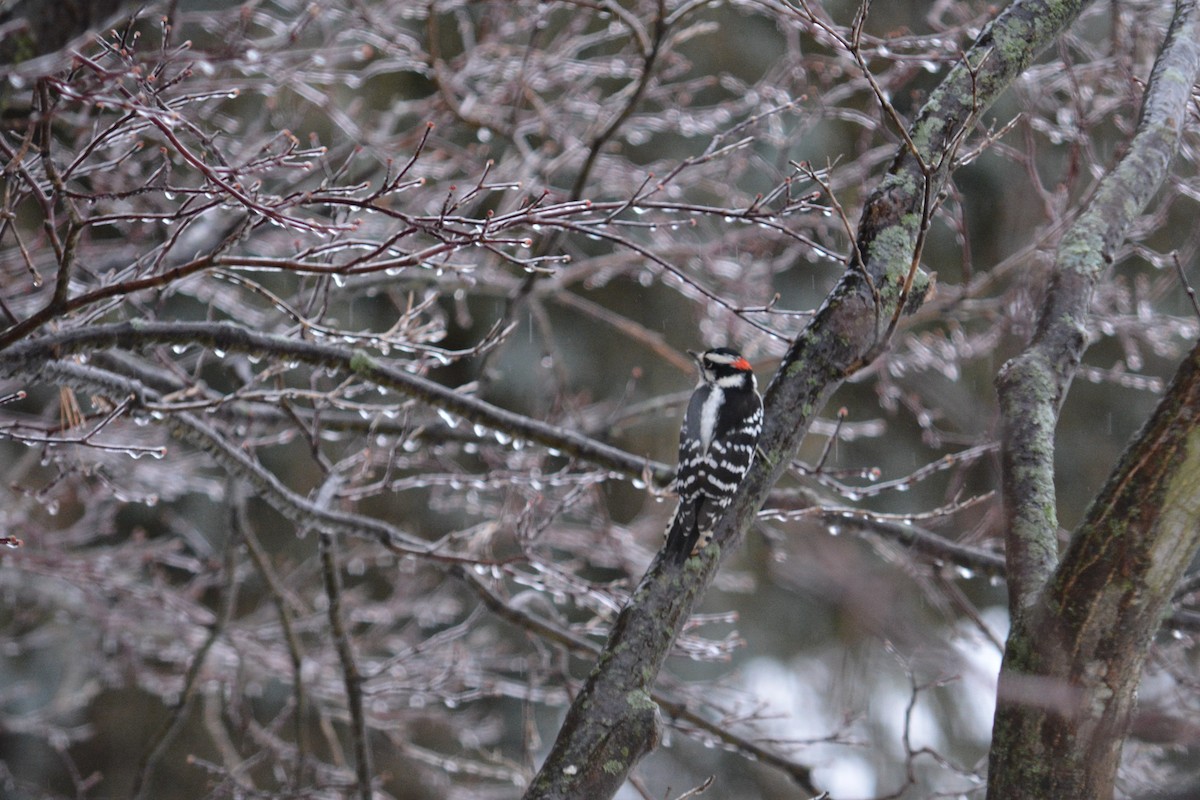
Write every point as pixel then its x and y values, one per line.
pixel 360 362
pixel 641 699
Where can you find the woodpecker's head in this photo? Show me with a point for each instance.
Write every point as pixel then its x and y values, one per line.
pixel 725 368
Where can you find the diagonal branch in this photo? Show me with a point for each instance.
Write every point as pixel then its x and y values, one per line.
pixel 228 337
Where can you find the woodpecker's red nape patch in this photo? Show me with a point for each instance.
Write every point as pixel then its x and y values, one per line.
pixel 741 363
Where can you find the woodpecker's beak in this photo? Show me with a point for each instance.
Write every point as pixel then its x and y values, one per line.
pixel 695 356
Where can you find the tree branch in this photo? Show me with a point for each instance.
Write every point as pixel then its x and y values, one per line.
pixel 228 337
pixel 234 460
pixel 351 674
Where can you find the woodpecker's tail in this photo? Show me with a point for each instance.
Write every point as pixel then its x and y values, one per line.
pixel 683 532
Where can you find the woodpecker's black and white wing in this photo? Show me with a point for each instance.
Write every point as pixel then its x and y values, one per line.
pixel 690 474
pixel 694 441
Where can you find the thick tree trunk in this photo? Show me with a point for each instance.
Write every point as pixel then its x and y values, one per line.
pixel 1073 660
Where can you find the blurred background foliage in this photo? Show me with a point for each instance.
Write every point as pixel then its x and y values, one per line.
pixel 844 653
